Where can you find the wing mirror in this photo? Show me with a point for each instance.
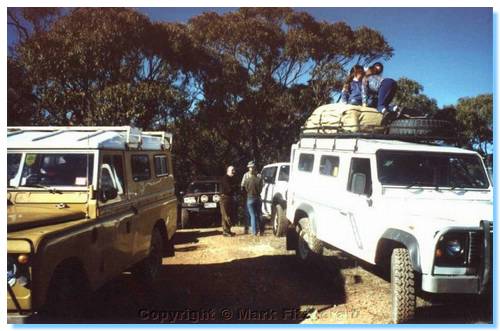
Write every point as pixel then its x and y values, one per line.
pixel 108 193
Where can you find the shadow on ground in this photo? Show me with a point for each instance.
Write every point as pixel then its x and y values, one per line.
pixel 192 236
pixel 266 289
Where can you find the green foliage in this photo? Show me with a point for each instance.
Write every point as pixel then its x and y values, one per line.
pixel 109 75
pixel 274 67
pixel 475 116
pixel 409 95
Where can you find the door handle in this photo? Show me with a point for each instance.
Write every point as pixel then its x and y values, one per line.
pixel 342 212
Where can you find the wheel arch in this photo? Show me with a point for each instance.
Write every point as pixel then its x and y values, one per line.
pixel 396 238
pixel 279 199
pixel 305 210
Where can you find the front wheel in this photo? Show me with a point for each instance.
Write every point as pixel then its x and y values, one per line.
pixel 402 286
pixel 280 223
pixel 308 246
pixel 68 294
pixel 147 271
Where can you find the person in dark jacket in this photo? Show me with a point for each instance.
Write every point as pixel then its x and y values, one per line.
pixel 227 205
pixel 378 91
pixel 253 186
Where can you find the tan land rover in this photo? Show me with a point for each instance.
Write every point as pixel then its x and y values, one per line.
pixel 84 204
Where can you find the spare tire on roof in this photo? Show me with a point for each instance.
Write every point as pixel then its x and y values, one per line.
pixel 422 128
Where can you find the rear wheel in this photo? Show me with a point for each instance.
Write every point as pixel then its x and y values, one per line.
pixel 279 221
pixel 148 270
pixel 402 286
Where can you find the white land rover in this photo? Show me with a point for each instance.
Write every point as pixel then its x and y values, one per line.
pixel 424 211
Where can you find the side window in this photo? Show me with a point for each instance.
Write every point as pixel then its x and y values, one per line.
pixel 115 165
pixel 140 167
pixel 306 162
pixel 111 179
pixel 329 165
pixel 161 165
pixel 269 174
pixel 360 178
pixel 284 173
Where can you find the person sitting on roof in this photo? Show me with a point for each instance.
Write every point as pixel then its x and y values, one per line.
pixel 378 90
pixel 351 91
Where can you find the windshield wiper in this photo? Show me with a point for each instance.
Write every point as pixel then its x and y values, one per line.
pixel 421 183
pixel 416 183
pixel 48 188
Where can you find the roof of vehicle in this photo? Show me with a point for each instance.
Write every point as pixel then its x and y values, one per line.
pixel 373 145
pixel 276 164
pixel 119 138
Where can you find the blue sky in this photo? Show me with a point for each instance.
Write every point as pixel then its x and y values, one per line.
pixel 447 50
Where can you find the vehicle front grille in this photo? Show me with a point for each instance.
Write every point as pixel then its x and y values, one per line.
pixel 476 247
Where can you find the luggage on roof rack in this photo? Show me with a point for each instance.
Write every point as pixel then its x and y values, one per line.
pixel 348 121
pixel 338 118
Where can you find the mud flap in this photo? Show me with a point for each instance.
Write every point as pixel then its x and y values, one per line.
pixel 291 238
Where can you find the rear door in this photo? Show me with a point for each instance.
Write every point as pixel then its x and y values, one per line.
pixel 268 175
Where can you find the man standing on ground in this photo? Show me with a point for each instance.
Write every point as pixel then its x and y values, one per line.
pixel 227 207
pixel 253 186
pixel 244 200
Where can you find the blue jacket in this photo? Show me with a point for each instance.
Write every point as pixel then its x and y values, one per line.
pixel 353 95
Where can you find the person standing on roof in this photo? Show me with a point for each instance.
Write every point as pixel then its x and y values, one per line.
pixel 227 205
pixel 351 91
pixel 378 91
pixel 253 186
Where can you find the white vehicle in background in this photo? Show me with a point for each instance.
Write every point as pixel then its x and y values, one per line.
pixel 422 211
pixel 273 195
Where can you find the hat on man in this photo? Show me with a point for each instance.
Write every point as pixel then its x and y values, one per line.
pixel 251 164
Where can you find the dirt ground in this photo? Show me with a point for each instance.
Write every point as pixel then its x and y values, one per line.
pixel 247 279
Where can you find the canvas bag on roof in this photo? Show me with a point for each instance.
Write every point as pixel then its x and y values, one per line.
pixel 338 117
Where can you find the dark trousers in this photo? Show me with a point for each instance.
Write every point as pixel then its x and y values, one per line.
pixel 227 212
pixel 386 93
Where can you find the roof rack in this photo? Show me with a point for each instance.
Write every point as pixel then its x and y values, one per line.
pixel 377 136
pixel 134 138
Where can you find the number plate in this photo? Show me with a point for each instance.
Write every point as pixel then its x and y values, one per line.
pixel 210 205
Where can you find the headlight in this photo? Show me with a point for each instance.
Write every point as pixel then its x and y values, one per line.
pixel 189 200
pixel 204 198
pixel 454 248
pixel 216 198
pixel 451 249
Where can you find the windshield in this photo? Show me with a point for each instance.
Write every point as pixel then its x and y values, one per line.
pixel 203 187
pixel 430 169
pixel 57 170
